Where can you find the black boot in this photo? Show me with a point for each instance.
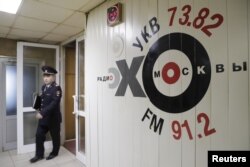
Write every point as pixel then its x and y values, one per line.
pixel 36 158
pixel 51 156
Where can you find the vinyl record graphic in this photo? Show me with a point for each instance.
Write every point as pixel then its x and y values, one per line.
pixel 199 71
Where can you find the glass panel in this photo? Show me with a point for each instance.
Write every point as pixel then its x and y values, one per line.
pixel 81 140
pixel 81 76
pixel 34 58
pixel 11 130
pixel 29 84
pixel 11 90
pixel 48 55
pixel 29 127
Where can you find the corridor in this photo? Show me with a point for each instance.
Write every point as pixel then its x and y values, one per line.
pixel 64 159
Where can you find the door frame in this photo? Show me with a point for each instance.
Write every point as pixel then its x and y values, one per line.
pixel 21 148
pixel 78 113
pixel 87 120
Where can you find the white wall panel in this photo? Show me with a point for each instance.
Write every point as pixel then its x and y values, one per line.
pixel 218 49
pixel 188 147
pixel 248 7
pixel 133 135
pixel 94 43
pixel 238 81
pixel 120 137
pixel 204 106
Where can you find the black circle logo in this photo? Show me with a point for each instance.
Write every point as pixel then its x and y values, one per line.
pixel 201 72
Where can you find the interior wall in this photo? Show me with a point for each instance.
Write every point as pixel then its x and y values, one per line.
pixel 8 47
pixel 169 83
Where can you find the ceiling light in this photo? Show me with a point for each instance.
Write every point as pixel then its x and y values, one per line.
pixel 10 6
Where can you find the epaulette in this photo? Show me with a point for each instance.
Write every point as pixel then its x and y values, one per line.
pixel 55 84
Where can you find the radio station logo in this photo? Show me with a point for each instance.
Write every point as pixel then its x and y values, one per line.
pixel 172 59
pixel 176 71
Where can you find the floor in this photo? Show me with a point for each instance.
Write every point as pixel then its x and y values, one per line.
pixel 70 145
pixel 64 159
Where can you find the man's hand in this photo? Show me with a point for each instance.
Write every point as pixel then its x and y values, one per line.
pixel 39 116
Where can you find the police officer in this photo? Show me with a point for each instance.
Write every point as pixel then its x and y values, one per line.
pixel 49 115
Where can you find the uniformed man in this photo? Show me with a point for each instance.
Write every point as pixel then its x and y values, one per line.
pixel 49 115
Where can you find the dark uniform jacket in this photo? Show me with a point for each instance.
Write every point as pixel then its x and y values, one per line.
pixel 50 105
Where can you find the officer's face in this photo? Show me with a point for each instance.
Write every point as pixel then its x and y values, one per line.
pixel 48 79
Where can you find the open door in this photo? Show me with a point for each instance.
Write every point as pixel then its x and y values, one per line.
pixel 30 58
pixel 8 103
pixel 80 102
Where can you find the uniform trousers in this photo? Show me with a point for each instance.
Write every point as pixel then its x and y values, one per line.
pixel 41 132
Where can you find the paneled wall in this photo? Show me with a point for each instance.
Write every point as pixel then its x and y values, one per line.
pixel 8 47
pixel 169 83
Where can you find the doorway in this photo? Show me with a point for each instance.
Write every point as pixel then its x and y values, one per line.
pixel 76 115
pixel 8 106
pixel 8 103
pixel 70 137
pixel 30 58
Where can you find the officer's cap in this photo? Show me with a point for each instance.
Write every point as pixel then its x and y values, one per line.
pixel 47 70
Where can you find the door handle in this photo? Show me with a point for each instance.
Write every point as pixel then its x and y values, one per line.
pixel 74 97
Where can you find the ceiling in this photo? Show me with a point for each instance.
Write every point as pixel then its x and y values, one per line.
pixel 46 21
